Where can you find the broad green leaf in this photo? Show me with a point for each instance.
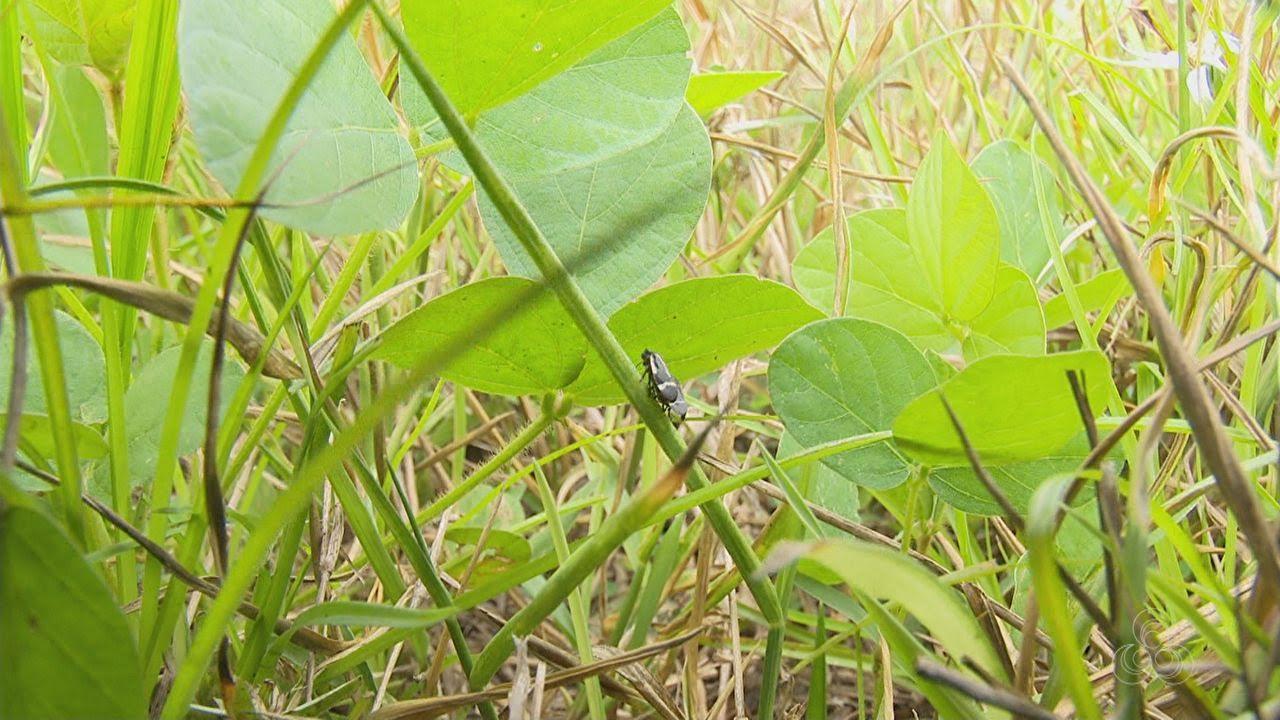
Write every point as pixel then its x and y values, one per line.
pixel 78 137
pixel 535 351
pixel 889 575
pixel 35 432
pixel 609 160
pixel 960 487
pixel 82 369
pixel 1013 408
pixel 885 286
pixel 83 32
pixel 838 378
pixel 1095 294
pixel 886 279
pixel 65 649
pixel 813 271
pixel 954 233
pixel 237 59
pixel 697 326
pixel 710 91
pixel 1008 172
pixel 1012 322
pixel 487 52
pixel 147 400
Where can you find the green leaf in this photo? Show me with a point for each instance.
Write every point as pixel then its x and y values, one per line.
pixel 1008 172
pixel 954 232
pixel 83 32
pixel 710 91
pixel 960 487
pixel 1013 408
pixel 885 286
pixel 697 326
pixel 36 433
pixel 536 351
pixel 838 378
pixel 82 364
pixel 78 137
pixel 1011 323
pixel 1096 293
pixel 889 575
pixel 607 158
pixel 147 400
pixel 238 58
pixel 65 649
pixel 487 52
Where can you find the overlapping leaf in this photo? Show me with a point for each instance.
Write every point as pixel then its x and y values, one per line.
pixel 608 159
pixel 535 351
pixel 487 52
pixel 843 377
pixel 65 648
pixel 698 326
pixel 341 166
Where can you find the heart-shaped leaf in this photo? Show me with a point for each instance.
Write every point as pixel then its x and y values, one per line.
pixel 838 378
pixel 341 163
pixel 1008 172
pixel 487 52
pixel 954 233
pixel 536 350
pixel 608 159
pixel 1014 408
pixel 698 326
pixel 65 648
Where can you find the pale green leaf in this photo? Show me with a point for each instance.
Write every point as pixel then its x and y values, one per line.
pixel 82 370
pixel 35 432
pixel 83 32
pixel 842 377
pixel 535 351
pixel 147 401
pixel 885 286
pixel 1008 172
pixel 487 52
pixel 65 648
pixel 954 233
pixel 608 159
pixel 710 91
pixel 1013 408
pixel 960 487
pixel 1011 323
pixel 698 326
pixel 78 142
pixel 237 59
pixel 1096 293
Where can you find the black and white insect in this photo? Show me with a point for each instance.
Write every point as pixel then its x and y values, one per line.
pixel 663 386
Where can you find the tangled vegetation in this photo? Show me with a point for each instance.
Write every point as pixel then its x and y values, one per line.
pixel 628 359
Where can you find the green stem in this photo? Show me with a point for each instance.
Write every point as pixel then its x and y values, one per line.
pixel 587 318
